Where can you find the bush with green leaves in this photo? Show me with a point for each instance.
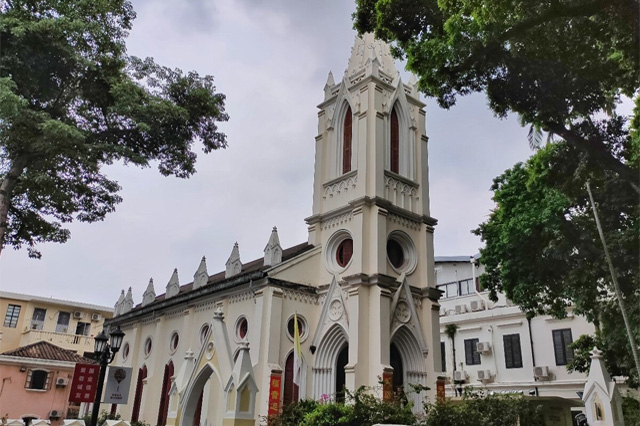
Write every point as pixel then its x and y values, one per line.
pixel 478 409
pixel 102 417
pixel 361 409
pixel 631 410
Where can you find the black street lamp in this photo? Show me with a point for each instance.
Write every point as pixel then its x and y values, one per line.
pixel 105 352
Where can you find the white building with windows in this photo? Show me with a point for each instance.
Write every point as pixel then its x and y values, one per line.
pixel 219 349
pixel 497 349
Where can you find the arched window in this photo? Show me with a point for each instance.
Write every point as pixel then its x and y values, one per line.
pixel 163 410
pixel 142 374
pixel 346 142
pixel 291 390
pixel 394 153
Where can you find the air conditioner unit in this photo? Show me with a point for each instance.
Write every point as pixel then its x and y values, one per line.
pixel 55 414
pixel 541 373
pixel 61 381
pixel 461 309
pixel 77 314
pixel 477 305
pixel 96 317
pixel 484 375
pixel 460 376
pixel 483 347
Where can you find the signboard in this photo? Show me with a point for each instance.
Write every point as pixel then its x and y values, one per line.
pixel 274 394
pixel 440 393
pixel 83 385
pixel 118 384
pixel 387 386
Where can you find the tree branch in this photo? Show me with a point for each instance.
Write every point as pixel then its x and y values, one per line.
pixel 597 149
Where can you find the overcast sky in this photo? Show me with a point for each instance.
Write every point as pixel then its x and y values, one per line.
pixel 271 59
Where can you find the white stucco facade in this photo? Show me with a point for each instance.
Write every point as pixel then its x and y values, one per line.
pixel 515 354
pixel 363 286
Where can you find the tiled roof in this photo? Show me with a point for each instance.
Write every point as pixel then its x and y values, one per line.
pixel 252 266
pixel 48 351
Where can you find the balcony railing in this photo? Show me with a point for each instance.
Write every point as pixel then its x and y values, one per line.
pixel 65 340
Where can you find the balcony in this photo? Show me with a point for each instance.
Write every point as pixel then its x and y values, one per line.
pixel 74 342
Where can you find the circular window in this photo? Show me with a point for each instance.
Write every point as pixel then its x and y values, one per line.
pixel 302 327
pixel 148 345
pixel 125 351
pixel 204 330
pixel 395 254
pixel 242 326
pixel 344 252
pixel 401 252
pixel 173 342
pixel 339 251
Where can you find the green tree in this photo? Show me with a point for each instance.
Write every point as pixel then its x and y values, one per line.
pixel 72 101
pixel 558 64
pixel 543 249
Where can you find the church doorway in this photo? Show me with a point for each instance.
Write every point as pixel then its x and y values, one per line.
pixel 203 400
pixel 341 377
pixel 398 370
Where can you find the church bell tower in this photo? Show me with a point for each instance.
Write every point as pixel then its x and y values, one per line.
pixel 371 218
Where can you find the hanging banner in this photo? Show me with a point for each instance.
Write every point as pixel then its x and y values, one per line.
pixel 387 386
pixel 118 384
pixel 83 385
pixel 274 394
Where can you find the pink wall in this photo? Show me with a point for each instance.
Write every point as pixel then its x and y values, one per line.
pixel 17 401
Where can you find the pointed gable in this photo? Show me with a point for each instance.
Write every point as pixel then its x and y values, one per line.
pixel 117 308
pixel 201 276
pixel 127 304
pixel 273 250
pixel 149 295
pixel 173 286
pixel 333 311
pixel 403 311
pixel 234 265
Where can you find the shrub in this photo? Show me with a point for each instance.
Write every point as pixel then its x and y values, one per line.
pixel 476 409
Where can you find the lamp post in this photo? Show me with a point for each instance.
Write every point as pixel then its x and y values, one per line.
pixel 105 349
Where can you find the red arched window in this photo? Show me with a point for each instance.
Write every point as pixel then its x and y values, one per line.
pixel 142 374
pixel 395 143
pixel 346 143
pixel 291 390
pixel 163 409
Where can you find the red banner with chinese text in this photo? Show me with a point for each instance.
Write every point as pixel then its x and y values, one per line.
pixel 83 385
pixel 274 394
pixel 440 394
pixel 387 386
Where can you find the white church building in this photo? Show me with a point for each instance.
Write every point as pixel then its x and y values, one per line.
pixel 219 350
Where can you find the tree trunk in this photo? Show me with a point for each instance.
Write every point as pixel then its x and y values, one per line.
pixel 7 185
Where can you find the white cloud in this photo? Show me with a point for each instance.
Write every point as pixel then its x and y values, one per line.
pixel 271 59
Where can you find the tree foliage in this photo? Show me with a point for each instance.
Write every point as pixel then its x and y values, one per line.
pixel 543 249
pixel 72 101
pixel 558 64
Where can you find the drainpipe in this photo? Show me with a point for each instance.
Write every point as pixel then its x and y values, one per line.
pixel 533 356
